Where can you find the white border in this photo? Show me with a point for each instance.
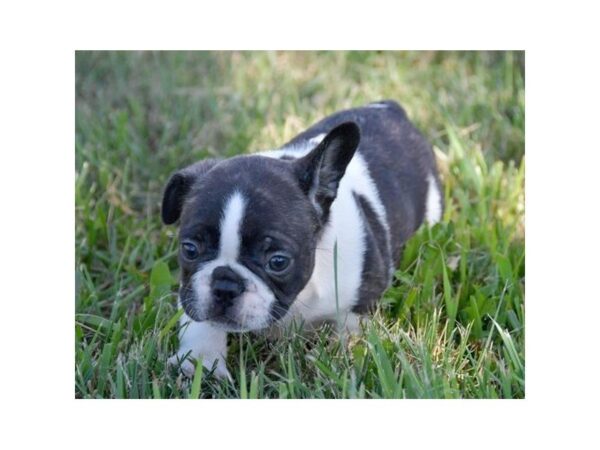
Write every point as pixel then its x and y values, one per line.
pixel 37 80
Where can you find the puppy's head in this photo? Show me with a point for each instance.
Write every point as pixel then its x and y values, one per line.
pixel 249 227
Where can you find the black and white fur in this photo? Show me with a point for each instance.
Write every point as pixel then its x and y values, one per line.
pixel 363 178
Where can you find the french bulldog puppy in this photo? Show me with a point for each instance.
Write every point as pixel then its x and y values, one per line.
pixel 257 232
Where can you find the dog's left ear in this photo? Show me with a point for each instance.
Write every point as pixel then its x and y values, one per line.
pixel 322 169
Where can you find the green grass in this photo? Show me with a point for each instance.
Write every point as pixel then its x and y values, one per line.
pixel 452 326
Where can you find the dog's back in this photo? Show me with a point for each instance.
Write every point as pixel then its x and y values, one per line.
pixel 400 161
pixel 390 188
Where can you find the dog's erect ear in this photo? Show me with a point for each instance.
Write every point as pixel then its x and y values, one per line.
pixel 322 169
pixel 179 187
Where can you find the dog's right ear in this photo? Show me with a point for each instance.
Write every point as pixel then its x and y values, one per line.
pixel 179 186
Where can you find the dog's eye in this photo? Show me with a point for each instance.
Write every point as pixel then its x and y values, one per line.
pixel 278 263
pixel 190 250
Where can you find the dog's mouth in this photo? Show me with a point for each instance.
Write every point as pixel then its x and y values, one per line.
pixel 229 324
pixel 225 318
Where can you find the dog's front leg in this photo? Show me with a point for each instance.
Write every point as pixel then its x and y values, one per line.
pixel 200 340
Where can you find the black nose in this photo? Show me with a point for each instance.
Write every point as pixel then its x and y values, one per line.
pixel 226 284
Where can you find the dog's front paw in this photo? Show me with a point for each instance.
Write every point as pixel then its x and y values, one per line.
pixel 188 368
pixel 184 364
pixel 221 371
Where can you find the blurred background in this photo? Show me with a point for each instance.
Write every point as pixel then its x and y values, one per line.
pixel 166 109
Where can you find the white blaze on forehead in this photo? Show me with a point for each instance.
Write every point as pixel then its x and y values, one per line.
pixel 230 227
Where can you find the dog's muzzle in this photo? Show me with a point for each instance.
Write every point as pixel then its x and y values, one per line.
pixel 226 286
